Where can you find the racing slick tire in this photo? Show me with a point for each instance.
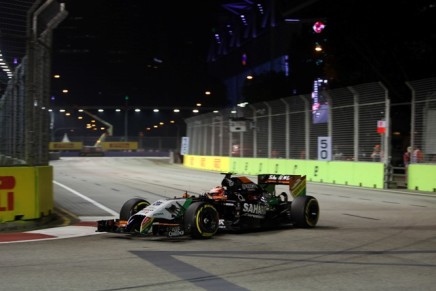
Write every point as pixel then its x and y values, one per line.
pixel 131 207
pixel 305 211
pixel 201 220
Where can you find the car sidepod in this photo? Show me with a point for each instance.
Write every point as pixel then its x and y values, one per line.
pixel 201 220
pixel 305 211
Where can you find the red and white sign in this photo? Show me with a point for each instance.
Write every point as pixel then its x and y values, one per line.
pixel 381 126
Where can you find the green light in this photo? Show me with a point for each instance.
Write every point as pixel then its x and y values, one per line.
pixel 126 97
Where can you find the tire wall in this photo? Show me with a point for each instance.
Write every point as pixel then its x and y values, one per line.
pixel 25 193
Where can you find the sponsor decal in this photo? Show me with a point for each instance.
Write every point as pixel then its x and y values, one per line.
pixel 254 210
pixel 7 183
pixel 279 177
pixel 63 145
pixel 240 197
pixel 157 214
pixel 249 187
pixel 217 164
pixel 119 145
pixel 175 231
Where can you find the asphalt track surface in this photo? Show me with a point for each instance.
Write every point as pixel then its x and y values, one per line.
pixel 365 239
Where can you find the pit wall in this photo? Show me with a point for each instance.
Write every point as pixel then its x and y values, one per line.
pixel 26 193
pixel 421 177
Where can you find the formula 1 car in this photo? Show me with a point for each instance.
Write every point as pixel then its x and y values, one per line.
pixel 238 204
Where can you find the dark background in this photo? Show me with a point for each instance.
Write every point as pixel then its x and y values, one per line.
pixel 156 52
pixel 163 53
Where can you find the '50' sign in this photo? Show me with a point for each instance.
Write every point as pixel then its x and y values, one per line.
pixel 7 183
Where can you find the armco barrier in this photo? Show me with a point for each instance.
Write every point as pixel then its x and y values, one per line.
pixel 25 193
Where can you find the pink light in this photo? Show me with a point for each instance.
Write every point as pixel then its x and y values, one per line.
pixel 318 27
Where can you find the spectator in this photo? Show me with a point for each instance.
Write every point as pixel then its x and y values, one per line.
pixel 417 156
pixel 337 154
pixel 376 153
pixel 407 156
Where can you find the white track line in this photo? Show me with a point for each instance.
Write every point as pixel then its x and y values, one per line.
pixel 101 206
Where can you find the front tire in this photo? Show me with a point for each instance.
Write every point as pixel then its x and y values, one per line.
pixel 305 211
pixel 201 220
pixel 131 207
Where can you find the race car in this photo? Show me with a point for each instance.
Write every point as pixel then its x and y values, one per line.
pixel 238 204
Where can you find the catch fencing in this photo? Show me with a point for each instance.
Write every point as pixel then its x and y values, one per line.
pixel 356 119
pixel 24 106
pixel 423 118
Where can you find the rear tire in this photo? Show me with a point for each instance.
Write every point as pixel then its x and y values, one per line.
pixel 305 211
pixel 131 207
pixel 201 220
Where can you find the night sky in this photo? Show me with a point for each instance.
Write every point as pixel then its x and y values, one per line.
pixel 152 51
pixel 155 52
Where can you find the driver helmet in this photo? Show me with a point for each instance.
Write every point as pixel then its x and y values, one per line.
pixel 217 191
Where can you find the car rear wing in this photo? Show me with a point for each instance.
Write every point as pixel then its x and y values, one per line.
pixel 297 183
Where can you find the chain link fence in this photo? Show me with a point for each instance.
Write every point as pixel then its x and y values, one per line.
pixel 423 118
pixel 289 128
pixel 12 120
pixel 357 119
pixel 24 116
